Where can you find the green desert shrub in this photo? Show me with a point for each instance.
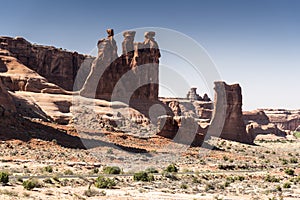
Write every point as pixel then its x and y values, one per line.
pixel 143 176
pixel 95 171
pixel 271 179
pixel 112 170
pixel 294 160
pixel 48 169
pixel 171 168
pixel 68 172
pixel 297 134
pixel 102 182
pixel 290 172
pixel 151 170
pixel 183 186
pixel 31 183
pixel 4 177
pixel 287 185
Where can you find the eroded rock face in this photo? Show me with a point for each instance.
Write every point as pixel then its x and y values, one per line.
pixel 18 77
pixel 228 100
pixel 258 116
pixel 6 103
pixel 183 130
pixel 285 119
pixel 167 126
pixel 56 65
pixel 255 129
pixel 133 75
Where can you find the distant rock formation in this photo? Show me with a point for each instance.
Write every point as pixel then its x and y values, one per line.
pixel 227 118
pixel 285 119
pixel 276 122
pixel 192 95
pixel 256 116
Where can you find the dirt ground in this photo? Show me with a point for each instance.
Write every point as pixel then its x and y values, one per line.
pixel 222 169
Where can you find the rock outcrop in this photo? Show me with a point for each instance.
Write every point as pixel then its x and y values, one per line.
pixel 56 65
pixel 133 75
pixel 192 95
pixel 257 116
pixel 285 119
pixel 7 106
pixel 226 121
pixel 18 77
pixel 228 106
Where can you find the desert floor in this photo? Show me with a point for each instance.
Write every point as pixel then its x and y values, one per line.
pixel 270 169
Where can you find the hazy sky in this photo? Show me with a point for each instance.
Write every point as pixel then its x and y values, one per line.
pixel 253 43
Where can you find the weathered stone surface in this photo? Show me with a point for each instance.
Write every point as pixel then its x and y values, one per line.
pixel 256 116
pixel 285 119
pixel 228 98
pixel 167 126
pixel 18 77
pixel 174 105
pixel 56 65
pixel 106 79
pixel 183 130
pixel 255 129
pixel 7 106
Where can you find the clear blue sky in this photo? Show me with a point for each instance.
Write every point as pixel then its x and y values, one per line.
pixel 255 43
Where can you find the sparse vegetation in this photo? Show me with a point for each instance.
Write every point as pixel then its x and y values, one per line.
pixel 143 176
pixel 112 170
pixel 183 186
pixel 226 167
pixel 68 172
pixel 4 177
pixel 95 171
pixel 271 179
pixel 102 182
pixel 55 178
pixel 225 158
pixel 209 186
pixel 290 172
pixel 151 170
pixel 48 180
pixel 287 185
pixel 48 169
pixel 293 160
pixel 297 134
pixel 171 168
pixel 31 183
pixel 109 151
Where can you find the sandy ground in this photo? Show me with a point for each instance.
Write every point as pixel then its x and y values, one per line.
pixel 230 171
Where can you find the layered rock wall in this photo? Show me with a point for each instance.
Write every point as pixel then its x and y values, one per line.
pixel 56 65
